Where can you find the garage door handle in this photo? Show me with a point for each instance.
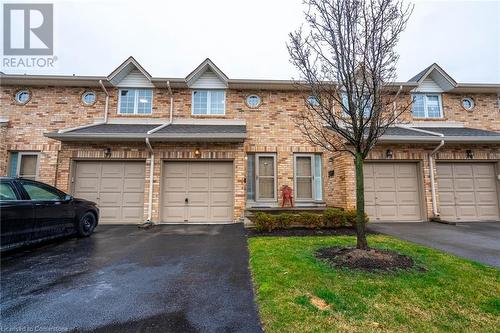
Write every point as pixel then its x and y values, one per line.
pixel 186 200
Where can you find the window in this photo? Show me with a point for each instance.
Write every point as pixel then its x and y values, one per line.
pixel 22 96
pixel 135 101
pixel 209 102
pixel 367 106
pixel 468 104
pixel 88 98
pixel 253 101
pixel 312 101
pixel 427 106
pixel 308 179
pixel 250 177
pixel 41 192
pixel 24 165
pixel 7 192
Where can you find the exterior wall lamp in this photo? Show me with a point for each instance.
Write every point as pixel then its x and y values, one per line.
pixel 469 154
pixel 389 153
pixel 107 152
pixel 197 152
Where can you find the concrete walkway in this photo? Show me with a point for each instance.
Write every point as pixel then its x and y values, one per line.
pixel 478 241
pixel 174 278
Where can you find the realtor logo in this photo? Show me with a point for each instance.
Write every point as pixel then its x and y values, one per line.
pixel 28 29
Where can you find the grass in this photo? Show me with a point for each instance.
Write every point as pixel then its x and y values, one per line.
pixel 453 295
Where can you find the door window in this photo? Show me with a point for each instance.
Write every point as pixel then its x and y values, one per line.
pixel 41 192
pixel 266 180
pixel 7 192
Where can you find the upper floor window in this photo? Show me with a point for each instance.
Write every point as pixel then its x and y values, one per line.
pixel 312 101
pixel 209 102
pixel 427 106
pixel 135 101
pixel 22 96
pixel 89 98
pixel 365 103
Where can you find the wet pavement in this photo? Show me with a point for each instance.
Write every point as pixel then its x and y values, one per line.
pixel 478 241
pixel 170 278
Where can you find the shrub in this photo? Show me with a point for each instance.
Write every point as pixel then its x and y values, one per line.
pixel 350 216
pixel 310 220
pixel 334 218
pixel 285 220
pixel 265 222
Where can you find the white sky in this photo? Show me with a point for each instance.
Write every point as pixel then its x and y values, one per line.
pixel 246 39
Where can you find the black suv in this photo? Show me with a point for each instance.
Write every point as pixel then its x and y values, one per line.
pixel 32 212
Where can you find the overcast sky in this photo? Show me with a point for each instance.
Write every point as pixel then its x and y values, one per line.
pixel 246 39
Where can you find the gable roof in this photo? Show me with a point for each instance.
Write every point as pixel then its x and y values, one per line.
pixel 125 68
pixel 207 64
pixel 435 73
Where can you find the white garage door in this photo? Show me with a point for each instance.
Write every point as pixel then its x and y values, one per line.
pixel 197 192
pixel 117 187
pixel 467 191
pixel 392 192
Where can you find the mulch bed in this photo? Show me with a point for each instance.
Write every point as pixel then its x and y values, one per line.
pixel 373 260
pixel 344 231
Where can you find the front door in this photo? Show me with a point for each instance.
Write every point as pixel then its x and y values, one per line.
pixel 265 176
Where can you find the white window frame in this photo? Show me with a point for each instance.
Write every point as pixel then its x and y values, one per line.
pixel 312 158
pixel 136 102
pixel 19 159
pixel 257 172
pixel 426 113
pixel 209 106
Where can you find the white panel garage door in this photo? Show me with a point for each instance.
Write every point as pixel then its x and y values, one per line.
pixel 467 191
pixel 392 192
pixel 117 187
pixel 197 192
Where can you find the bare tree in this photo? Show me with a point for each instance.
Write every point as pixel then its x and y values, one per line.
pixel 346 57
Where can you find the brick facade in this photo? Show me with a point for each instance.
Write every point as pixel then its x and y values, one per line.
pixel 270 128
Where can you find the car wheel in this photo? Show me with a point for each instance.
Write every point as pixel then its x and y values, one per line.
pixel 86 225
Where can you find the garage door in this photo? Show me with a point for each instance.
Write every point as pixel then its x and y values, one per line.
pixel 392 192
pixel 467 191
pixel 197 192
pixel 117 187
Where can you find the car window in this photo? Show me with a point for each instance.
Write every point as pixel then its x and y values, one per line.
pixel 7 192
pixel 40 192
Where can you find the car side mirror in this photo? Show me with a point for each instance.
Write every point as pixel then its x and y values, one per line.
pixel 67 197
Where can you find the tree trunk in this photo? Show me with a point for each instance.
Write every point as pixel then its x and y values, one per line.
pixel 360 204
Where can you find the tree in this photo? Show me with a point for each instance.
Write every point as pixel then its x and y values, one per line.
pixel 346 58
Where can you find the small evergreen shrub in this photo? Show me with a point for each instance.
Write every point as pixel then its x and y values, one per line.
pixel 350 216
pixel 285 220
pixel 265 222
pixel 334 218
pixel 311 220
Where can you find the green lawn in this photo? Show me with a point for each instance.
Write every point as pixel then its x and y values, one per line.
pixel 453 295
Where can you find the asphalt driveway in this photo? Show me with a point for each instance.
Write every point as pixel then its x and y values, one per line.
pixel 124 279
pixel 478 241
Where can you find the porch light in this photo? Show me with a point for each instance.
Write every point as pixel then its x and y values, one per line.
pixel 389 153
pixel 469 154
pixel 107 152
pixel 197 152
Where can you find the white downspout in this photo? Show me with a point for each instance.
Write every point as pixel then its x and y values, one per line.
pixel 151 175
pixel 431 172
pixel 106 103
pixel 152 156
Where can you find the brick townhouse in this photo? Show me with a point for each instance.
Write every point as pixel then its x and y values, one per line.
pixel 206 148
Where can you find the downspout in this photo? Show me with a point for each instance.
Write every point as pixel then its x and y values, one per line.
pixel 152 157
pixel 435 212
pixel 394 102
pixel 106 102
pixel 151 175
